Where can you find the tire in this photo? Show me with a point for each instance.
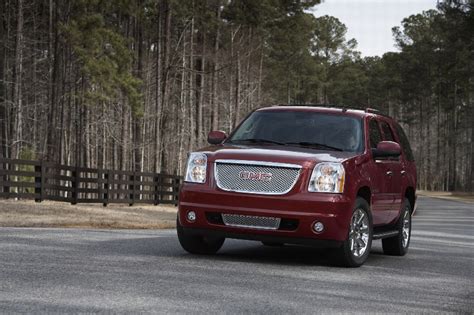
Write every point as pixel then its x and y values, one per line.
pixel 198 244
pixel 273 244
pixel 398 245
pixel 356 248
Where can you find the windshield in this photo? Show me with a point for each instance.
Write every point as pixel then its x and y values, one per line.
pixel 308 129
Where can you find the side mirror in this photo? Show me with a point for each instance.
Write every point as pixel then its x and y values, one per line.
pixel 216 137
pixel 386 149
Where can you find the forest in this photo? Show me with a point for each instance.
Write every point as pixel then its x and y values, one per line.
pixel 136 84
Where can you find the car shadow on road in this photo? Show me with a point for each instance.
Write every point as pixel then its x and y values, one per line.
pixel 293 255
pixel 232 251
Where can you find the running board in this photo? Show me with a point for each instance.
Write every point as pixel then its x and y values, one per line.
pixel 385 234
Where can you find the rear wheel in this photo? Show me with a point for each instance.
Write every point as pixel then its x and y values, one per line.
pixel 398 245
pixel 356 248
pixel 198 244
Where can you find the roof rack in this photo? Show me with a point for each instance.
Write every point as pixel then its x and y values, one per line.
pixel 342 107
pixel 310 105
pixel 372 110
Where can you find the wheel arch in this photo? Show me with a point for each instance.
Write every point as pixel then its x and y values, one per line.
pixel 365 193
pixel 410 195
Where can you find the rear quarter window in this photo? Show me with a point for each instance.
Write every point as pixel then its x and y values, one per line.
pixel 404 143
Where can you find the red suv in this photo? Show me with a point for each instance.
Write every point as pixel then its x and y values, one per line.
pixel 336 178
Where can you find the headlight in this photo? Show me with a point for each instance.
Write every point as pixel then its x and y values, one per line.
pixel 197 168
pixel 327 177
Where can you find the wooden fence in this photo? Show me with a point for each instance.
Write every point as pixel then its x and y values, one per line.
pixel 40 180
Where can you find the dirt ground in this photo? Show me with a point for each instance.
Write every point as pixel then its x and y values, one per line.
pixel 27 213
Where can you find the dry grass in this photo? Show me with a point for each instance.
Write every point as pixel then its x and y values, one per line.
pixel 26 213
pixel 459 196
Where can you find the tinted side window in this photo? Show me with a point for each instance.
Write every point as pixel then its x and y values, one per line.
pixel 405 144
pixel 374 133
pixel 387 132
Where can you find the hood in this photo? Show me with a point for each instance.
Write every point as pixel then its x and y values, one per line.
pixel 305 157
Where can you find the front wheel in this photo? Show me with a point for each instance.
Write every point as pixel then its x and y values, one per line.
pixel 356 248
pixel 198 244
pixel 398 245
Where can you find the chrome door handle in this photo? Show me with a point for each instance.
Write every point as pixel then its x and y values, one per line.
pixel 403 173
pixel 389 173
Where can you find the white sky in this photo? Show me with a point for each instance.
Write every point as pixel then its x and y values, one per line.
pixel 370 22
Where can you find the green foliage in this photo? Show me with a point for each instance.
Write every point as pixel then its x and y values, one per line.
pixel 103 53
pixel 265 14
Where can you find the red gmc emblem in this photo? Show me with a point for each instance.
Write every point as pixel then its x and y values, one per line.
pixel 257 176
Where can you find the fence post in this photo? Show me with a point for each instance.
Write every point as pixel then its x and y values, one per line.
pixel 175 189
pixel 106 188
pixel 157 184
pixel 43 180
pixel 6 188
pixel 132 188
pixel 39 181
pixel 75 185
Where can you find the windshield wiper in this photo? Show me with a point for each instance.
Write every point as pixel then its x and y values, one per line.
pixel 257 141
pixel 314 144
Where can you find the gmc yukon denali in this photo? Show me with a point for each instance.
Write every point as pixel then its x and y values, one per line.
pixel 315 176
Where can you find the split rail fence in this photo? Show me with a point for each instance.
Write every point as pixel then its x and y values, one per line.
pixel 41 180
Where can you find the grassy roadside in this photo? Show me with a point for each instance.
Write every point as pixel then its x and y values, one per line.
pixel 457 196
pixel 26 213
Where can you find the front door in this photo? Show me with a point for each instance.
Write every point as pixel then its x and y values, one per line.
pixel 382 196
pixel 396 171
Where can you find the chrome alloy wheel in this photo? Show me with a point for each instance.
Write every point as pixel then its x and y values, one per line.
pixel 406 229
pixel 359 233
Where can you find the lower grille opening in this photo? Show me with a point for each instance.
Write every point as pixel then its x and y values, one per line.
pixel 256 222
pixel 251 222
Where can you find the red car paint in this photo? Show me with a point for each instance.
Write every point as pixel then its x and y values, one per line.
pixel 384 183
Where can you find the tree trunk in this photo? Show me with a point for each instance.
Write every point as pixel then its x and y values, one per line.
pixel 17 81
pixel 260 76
pixel 192 120
pixel 470 182
pixel 182 108
pixel 200 104
pixel 166 75
pixel 238 82
pixel 3 87
pixel 215 74
pixel 158 73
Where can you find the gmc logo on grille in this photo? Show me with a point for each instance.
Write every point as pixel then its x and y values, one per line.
pixel 257 176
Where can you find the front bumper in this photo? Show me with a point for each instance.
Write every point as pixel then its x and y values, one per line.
pixel 313 242
pixel 333 210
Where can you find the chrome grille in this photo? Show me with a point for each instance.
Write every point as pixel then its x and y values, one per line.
pixel 228 174
pixel 252 222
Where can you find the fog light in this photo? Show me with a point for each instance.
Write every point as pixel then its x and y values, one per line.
pixel 191 216
pixel 318 227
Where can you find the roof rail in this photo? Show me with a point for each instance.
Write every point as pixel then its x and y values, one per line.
pixel 309 105
pixel 341 107
pixel 372 110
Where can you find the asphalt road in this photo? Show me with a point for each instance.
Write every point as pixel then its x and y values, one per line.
pixel 130 271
